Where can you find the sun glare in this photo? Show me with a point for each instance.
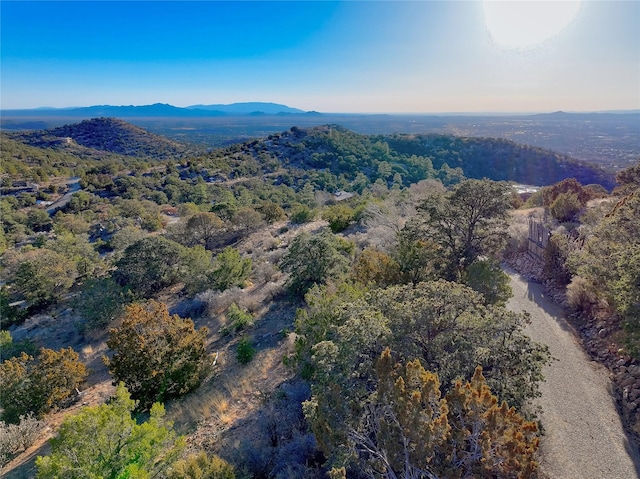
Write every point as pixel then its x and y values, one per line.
pixel 525 24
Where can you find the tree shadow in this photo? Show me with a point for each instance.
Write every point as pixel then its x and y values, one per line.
pixel 535 292
pixel 24 465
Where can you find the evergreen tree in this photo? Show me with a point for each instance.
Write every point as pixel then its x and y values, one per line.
pixel 156 355
pixel 38 384
pixel 313 259
pixel 467 222
pixel 408 430
pixel 149 265
pixel 44 276
pixel 107 442
pixel 230 269
pixel 203 228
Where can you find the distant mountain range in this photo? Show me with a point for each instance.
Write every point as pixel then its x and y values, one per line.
pixel 559 115
pixel 265 108
pixel 609 138
pixel 165 110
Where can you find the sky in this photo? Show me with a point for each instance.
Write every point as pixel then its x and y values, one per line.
pixel 340 57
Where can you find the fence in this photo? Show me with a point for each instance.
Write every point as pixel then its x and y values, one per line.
pixel 538 238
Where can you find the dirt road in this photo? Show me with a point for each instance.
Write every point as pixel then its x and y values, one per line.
pixel 584 435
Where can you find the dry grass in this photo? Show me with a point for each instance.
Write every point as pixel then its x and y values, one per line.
pixel 231 395
pixel 235 392
pixel 209 404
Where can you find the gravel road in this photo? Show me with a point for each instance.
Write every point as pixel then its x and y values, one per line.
pixel 584 437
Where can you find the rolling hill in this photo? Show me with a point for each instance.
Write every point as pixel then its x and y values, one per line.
pixel 343 152
pixel 107 135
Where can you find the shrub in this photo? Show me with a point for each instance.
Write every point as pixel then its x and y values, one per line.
pixel 567 186
pixel 5 341
pixel 44 276
pixel 125 237
pixel 17 437
pixel 230 269
pixel 271 211
pixel 409 427
pixel 246 351
pixel 610 260
pixel 196 268
pixel 106 442
pixel 487 278
pixel 100 301
pixel 239 318
pixel 584 298
pixel 157 356
pixel 217 302
pixel 265 272
pixel 373 267
pixel 282 446
pixel 313 259
pixel 556 255
pixel 149 265
pixel 518 241
pixel 9 315
pixel 300 214
pixel 37 385
pixel 203 229
pixel 10 349
pixel 535 200
pixel 292 459
pixel 201 466
pixel 339 217
pixel 565 206
pixel 246 220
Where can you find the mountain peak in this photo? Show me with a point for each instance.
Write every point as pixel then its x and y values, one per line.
pixel 249 108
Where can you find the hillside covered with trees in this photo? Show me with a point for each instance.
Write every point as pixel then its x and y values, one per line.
pixel 312 303
pixel 104 135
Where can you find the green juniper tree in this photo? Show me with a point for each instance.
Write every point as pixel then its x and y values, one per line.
pixel 107 442
pixel 156 355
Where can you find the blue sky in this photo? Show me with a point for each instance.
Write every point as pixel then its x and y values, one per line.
pixel 393 57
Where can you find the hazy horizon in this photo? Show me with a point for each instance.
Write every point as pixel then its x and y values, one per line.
pixel 332 57
pixel 346 113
